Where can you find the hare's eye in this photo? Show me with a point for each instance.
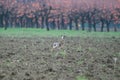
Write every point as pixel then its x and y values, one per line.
pixel 55 45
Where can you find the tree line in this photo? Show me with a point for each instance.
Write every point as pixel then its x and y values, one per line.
pixel 55 14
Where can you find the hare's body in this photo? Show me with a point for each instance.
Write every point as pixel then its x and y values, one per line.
pixel 59 44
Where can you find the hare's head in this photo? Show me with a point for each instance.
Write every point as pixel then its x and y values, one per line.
pixel 56 44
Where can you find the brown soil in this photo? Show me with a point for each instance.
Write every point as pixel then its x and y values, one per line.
pixel 34 59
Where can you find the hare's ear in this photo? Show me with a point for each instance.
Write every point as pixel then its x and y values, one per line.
pixel 63 37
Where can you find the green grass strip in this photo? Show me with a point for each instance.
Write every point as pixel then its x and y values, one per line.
pixel 33 32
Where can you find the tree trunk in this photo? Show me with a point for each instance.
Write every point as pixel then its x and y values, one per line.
pixel 20 22
pixel 58 25
pixel 90 25
pixel 53 24
pixel 94 26
pixel 108 25
pixel 46 23
pixel 42 22
pixel 1 21
pixel 83 25
pixel 6 21
pixel 70 24
pixel 62 24
pixel 115 28
pixel 76 24
pixel 37 23
pixel 102 26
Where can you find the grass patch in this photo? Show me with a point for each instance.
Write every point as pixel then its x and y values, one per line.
pixel 33 32
pixel 63 53
pixel 81 78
